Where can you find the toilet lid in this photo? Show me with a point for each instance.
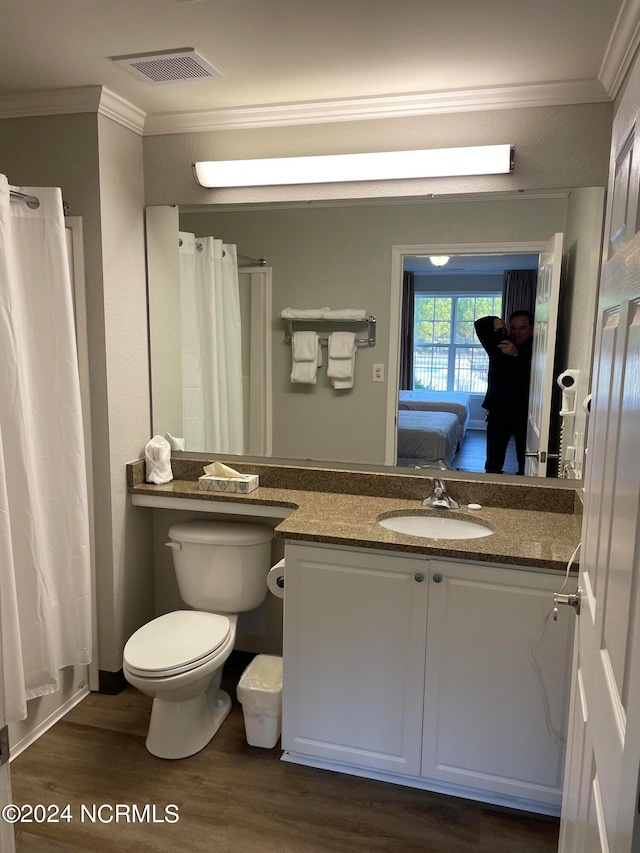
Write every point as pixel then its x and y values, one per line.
pixel 175 640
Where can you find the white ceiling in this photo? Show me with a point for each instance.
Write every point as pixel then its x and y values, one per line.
pixel 408 54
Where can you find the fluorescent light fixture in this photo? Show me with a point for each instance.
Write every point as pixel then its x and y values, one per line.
pixel 378 166
pixel 439 260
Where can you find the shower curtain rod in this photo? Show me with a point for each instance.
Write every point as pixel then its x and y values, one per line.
pixel 256 262
pixel 31 200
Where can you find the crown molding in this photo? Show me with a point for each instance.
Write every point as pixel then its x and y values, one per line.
pixel 123 112
pixel 83 99
pixel 388 106
pixel 622 47
pixel 98 99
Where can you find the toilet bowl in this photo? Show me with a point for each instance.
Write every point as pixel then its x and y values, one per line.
pixel 178 658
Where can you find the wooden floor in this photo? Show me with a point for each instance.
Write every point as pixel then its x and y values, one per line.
pixel 473 453
pixel 233 797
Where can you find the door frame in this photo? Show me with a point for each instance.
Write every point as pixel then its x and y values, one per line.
pixel 75 236
pixel 398 254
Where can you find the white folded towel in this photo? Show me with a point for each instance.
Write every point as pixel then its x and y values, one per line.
pixel 341 363
pixel 157 457
pixel 305 357
pixel 303 313
pixel 175 443
pixel 345 314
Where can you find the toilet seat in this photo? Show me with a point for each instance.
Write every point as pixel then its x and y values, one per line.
pixel 176 642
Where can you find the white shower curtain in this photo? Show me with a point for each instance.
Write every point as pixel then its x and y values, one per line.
pixel 45 602
pixel 212 395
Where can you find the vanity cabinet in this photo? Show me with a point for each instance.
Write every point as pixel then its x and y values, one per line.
pixel 497 679
pixel 446 675
pixel 354 650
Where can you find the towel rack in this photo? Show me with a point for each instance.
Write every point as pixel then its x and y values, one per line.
pixel 370 320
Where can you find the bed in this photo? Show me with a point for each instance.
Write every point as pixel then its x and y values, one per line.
pixel 456 402
pixel 427 438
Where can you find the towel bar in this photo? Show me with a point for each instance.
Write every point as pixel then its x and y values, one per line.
pixel 368 341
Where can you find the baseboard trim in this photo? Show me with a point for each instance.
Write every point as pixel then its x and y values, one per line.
pixel 111 682
pixel 51 720
pixel 520 804
pixel 238 661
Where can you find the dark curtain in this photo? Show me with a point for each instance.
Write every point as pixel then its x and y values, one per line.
pixel 518 291
pixel 406 332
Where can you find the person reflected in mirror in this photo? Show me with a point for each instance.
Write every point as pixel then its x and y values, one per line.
pixel 507 399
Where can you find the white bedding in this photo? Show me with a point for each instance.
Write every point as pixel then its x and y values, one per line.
pixel 456 402
pixel 427 438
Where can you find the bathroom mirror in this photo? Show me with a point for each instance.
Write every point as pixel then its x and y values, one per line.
pixel 341 255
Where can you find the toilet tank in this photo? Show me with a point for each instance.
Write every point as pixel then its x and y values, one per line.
pixel 221 566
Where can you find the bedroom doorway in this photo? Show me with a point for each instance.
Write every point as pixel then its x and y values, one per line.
pixel 441 370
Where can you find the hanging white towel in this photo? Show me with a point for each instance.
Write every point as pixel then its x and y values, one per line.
pixel 305 357
pixel 303 313
pixel 345 314
pixel 341 363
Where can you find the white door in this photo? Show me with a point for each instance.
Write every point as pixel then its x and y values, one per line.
pixel 600 811
pixel 544 342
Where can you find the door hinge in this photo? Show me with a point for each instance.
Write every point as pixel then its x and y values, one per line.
pixel 4 745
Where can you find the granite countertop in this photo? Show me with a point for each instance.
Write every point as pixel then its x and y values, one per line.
pixel 525 537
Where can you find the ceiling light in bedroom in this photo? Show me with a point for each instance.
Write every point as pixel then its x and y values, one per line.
pixel 377 166
pixel 439 260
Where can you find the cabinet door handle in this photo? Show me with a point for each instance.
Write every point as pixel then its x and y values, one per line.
pixel 437 578
pixel 418 578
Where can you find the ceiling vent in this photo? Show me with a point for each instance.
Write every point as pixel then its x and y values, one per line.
pixel 169 66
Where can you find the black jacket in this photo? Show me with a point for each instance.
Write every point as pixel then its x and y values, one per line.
pixel 508 379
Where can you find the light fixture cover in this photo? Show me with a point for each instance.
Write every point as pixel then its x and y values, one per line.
pixel 439 260
pixel 377 166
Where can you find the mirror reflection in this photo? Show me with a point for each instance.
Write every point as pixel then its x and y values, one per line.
pixel 355 256
pixel 452 342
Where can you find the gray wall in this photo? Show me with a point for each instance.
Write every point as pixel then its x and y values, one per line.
pixel 581 265
pixel 98 165
pixel 129 587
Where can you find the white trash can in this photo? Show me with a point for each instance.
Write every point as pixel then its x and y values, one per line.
pixel 260 693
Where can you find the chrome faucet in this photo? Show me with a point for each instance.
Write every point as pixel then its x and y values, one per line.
pixel 440 497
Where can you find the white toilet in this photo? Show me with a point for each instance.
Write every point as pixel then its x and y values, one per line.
pixel 221 568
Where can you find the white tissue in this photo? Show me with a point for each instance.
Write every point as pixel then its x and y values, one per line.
pixel 218 469
pixel 275 574
pixel 157 456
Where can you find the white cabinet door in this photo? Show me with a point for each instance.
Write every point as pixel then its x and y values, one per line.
pixel 496 680
pixel 354 651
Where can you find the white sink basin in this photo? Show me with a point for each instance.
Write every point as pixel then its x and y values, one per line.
pixel 435 528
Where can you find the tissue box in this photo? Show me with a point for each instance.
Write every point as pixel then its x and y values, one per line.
pixel 223 484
